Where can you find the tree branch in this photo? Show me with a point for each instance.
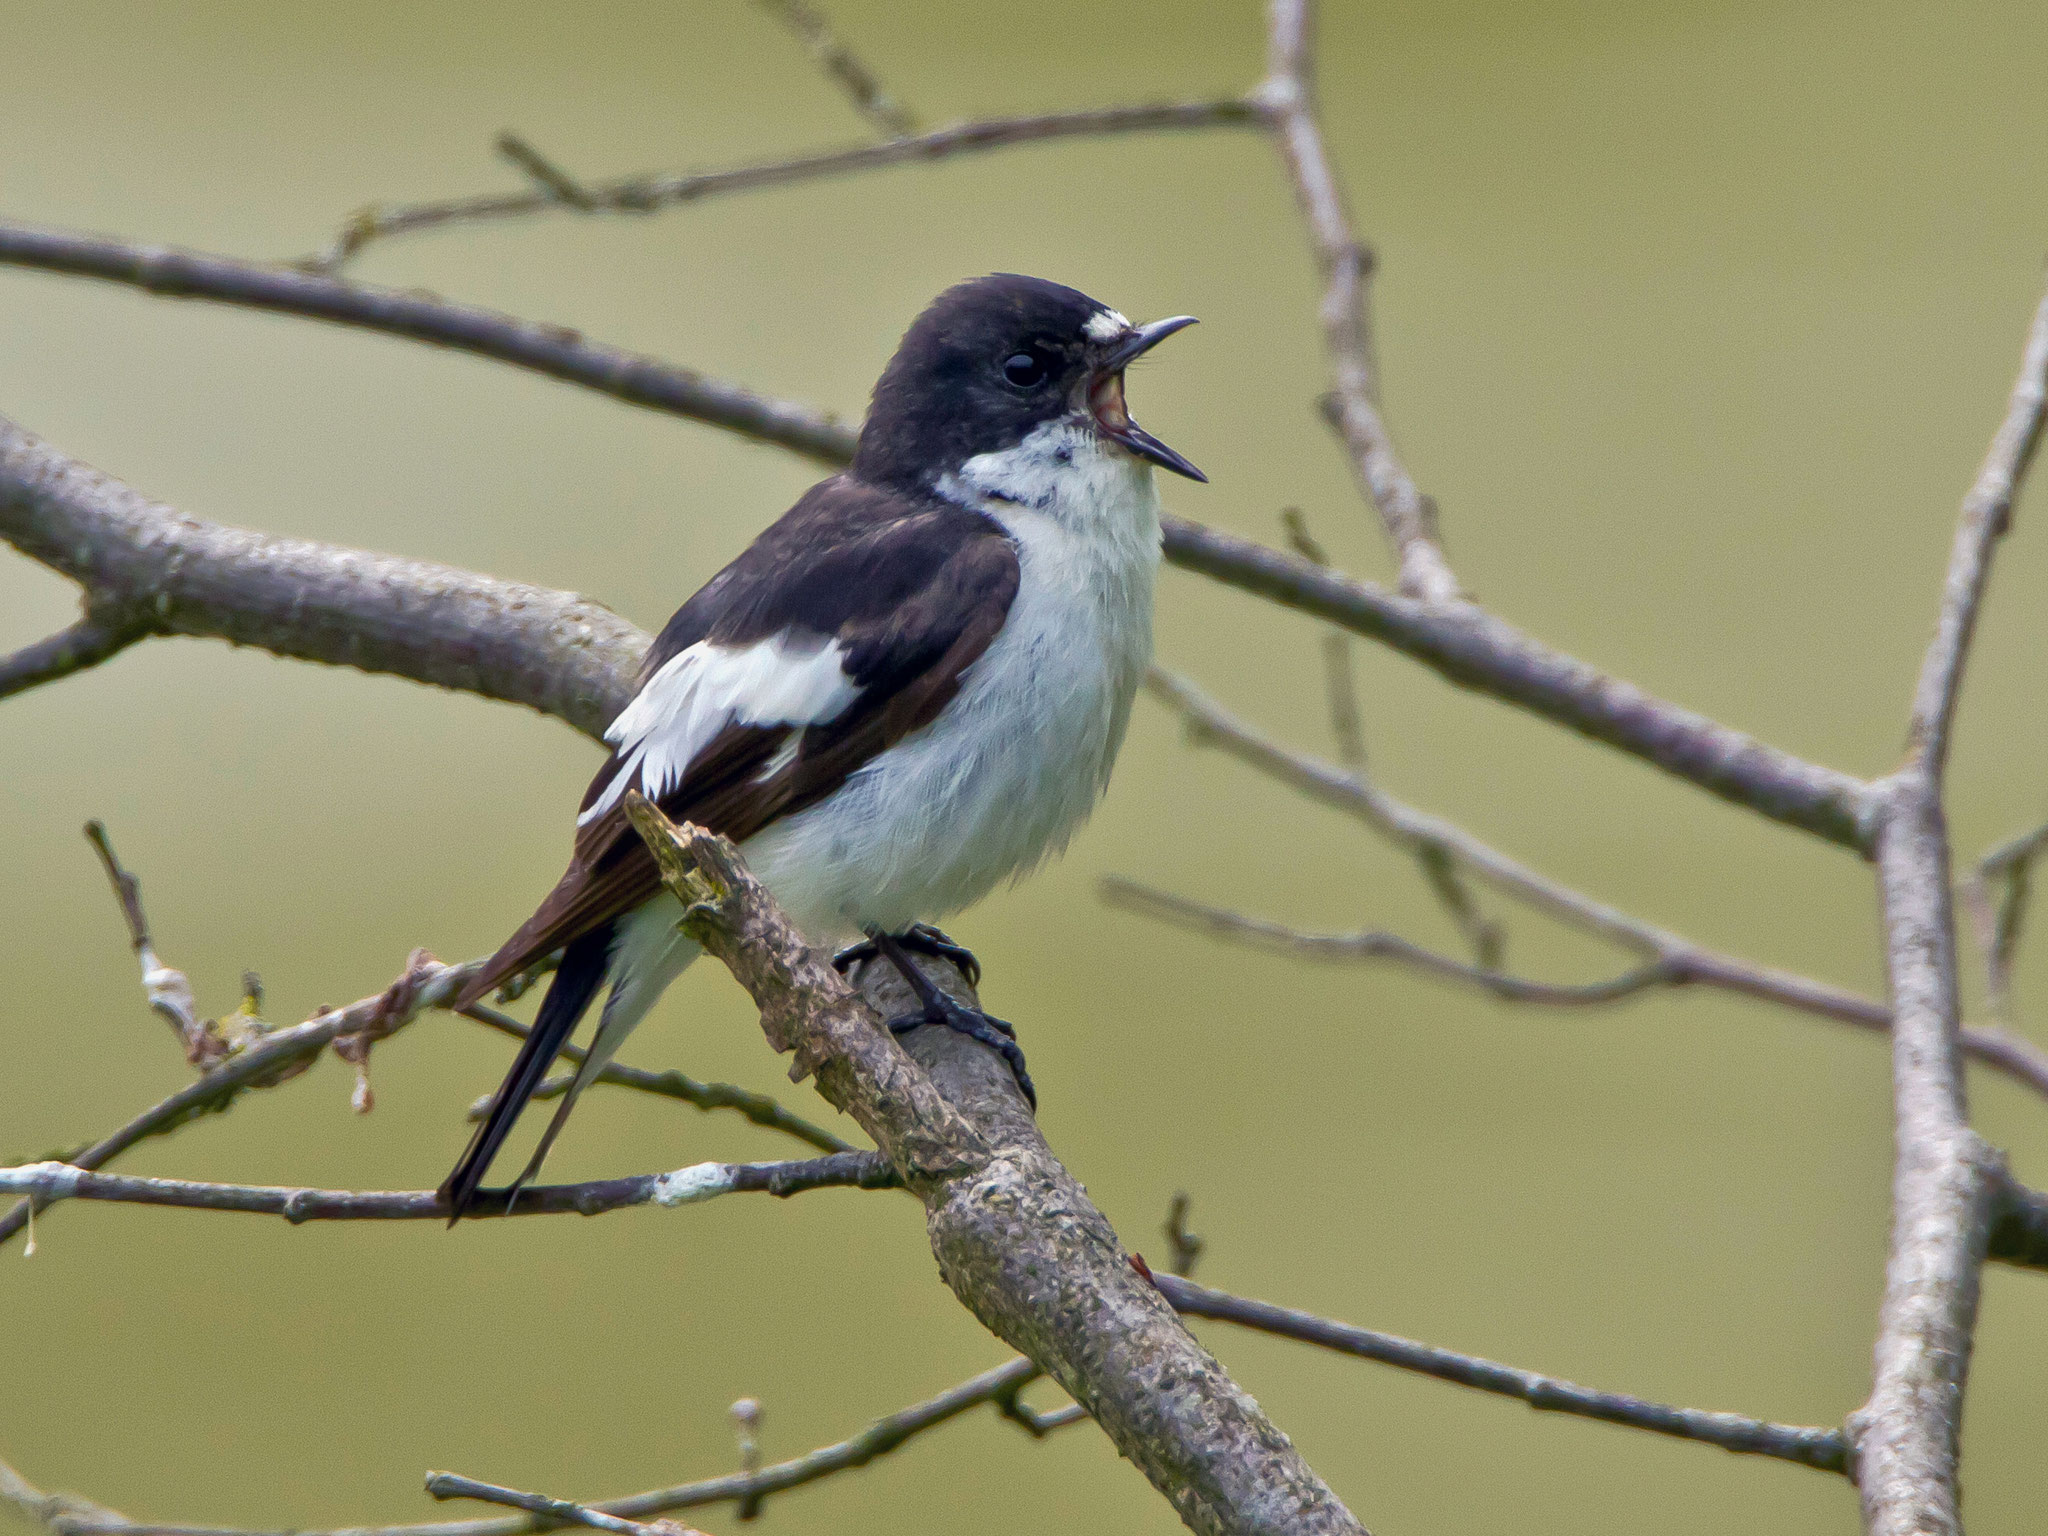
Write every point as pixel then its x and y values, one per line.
pixel 451 1485
pixel 844 67
pixel 553 651
pixel 569 657
pixel 1469 647
pixel 267 1060
pixel 646 193
pixel 1260 933
pixel 757 1108
pixel 93 639
pixel 1016 1237
pixel 1825 1449
pixel 1287 99
pixel 1945 1182
pixel 553 350
pixel 52 1182
pixel 66 1515
pixel 1684 962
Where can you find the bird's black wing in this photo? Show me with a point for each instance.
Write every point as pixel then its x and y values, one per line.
pixel 842 629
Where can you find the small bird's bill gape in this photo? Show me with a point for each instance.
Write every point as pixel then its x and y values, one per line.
pixel 907 691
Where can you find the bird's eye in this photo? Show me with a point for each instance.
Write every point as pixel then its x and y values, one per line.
pixel 1026 370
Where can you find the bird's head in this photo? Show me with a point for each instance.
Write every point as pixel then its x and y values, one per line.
pixel 1004 361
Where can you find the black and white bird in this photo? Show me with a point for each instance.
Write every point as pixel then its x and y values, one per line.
pixel 908 690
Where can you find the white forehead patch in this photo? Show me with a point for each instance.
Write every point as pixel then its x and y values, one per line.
pixel 1106 325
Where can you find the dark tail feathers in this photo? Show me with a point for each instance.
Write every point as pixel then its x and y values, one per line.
pixel 575 983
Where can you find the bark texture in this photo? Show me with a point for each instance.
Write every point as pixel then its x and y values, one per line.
pixel 1015 1234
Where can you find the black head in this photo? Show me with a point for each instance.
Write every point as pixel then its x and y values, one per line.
pixel 993 359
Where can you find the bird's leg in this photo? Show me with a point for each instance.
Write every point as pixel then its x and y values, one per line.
pixel 920 939
pixel 998 1035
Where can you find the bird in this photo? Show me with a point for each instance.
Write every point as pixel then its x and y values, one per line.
pixel 908 690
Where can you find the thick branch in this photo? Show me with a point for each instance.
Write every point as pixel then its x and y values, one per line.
pixel 1459 642
pixel 1469 647
pixel 554 651
pixel 1946 1182
pixel 1015 1235
pixel 1287 98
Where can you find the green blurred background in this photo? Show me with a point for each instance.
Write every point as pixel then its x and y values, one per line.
pixel 1696 319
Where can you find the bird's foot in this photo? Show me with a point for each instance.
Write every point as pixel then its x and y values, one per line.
pixel 935 1007
pixel 999 1035
pixel 919 938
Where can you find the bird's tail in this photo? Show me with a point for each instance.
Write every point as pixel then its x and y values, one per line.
pixel 575 983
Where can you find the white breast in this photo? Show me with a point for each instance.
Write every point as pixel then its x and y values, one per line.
pixel 1018 759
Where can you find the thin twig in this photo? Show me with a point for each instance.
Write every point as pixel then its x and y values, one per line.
pixel 2019 1231
pixel 1945 1180
pixel 1287 97
pixel 88 642
pixel 558 183
pixel 53 1182
pixel 1184 1247
pixel 68 1517
pixel 646 193
pixel 451 1485
pixel 844 67
pixel 1373 945
pixel 758 1108
pixel 1210 725
pixel 272 1059
pixel 1821 1448
pixel 2011 866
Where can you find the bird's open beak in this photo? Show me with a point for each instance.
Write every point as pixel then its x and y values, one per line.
pixel 1106 397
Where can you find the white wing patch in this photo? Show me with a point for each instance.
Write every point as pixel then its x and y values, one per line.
pixel 706 688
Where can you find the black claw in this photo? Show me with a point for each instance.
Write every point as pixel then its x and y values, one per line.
pixel 918 938
pixel 924 939
pixel 999 1035
pixel 854 954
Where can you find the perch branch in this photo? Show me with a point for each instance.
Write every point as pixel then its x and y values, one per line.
pixel 1016 1237
pixel 1946 1181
